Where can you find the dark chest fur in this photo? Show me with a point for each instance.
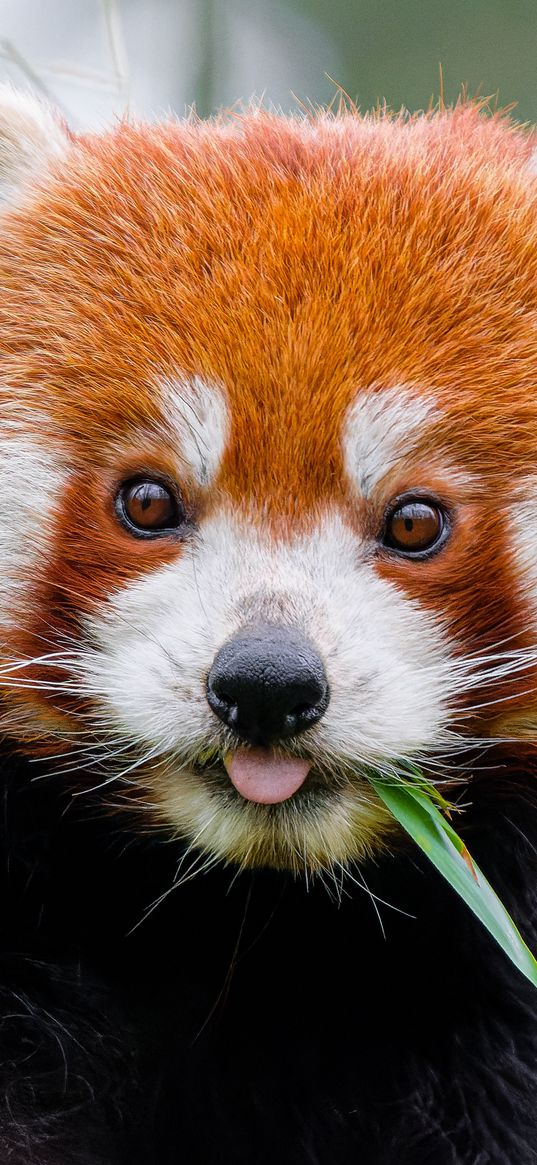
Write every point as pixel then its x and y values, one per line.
pixel 247 1021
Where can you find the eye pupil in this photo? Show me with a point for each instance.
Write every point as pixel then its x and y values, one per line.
pixel 415 527
pixel 148 507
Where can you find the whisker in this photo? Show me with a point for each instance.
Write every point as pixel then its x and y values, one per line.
pixel 398 909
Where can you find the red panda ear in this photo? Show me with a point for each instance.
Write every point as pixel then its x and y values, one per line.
pixel 31 136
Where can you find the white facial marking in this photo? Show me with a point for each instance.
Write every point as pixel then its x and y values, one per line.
pixel 30 137
pixel 387 682
pixel 198 414
pixel 31 480
pixel 380 427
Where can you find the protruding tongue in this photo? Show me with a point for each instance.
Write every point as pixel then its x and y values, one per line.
pixel 259 775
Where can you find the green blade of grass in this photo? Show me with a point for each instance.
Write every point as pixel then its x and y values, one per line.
pixel 414 810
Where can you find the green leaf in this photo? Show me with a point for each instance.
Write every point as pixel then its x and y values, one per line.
pixel 413 808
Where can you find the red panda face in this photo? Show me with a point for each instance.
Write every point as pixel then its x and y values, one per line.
pixel 268 464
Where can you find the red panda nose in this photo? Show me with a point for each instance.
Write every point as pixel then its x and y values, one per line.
pixel 268 683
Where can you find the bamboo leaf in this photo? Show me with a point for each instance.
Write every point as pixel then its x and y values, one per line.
pixel 414 809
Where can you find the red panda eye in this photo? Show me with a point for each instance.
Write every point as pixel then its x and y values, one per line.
pixel 416 528
pixel 148 507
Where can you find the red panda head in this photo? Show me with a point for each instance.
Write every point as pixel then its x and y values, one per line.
pixel 268 464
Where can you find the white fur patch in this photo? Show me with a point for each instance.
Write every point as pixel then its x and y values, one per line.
pixel 30 137
pixel 31 479
pixel 198 414
pixel 387 682
pixel 380 428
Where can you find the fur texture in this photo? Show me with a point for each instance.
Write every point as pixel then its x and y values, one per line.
pixel 291 325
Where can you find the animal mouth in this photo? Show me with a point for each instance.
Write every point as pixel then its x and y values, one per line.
pixel 268 807
pixel 260 775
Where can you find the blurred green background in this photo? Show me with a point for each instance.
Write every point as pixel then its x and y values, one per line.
pixel 98 57
pixel 394 50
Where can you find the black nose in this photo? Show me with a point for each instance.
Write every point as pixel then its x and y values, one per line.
pixel 268 683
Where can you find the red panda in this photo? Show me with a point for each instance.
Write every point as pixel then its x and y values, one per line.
pixel 269 484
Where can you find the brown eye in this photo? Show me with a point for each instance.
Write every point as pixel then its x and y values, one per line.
pixel 149 507
pixel 415 528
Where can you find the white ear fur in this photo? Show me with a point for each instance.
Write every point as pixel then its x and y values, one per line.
pixel 31 135
pixel 532 163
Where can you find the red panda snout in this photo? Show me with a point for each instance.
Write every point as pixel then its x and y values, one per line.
pixel 268 684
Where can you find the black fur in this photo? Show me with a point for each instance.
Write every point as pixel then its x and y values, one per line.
pixel 248 1021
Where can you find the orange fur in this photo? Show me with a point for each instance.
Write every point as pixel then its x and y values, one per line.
pixel 296 262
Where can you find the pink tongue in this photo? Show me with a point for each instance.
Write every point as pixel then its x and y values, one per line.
pixel 259 775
